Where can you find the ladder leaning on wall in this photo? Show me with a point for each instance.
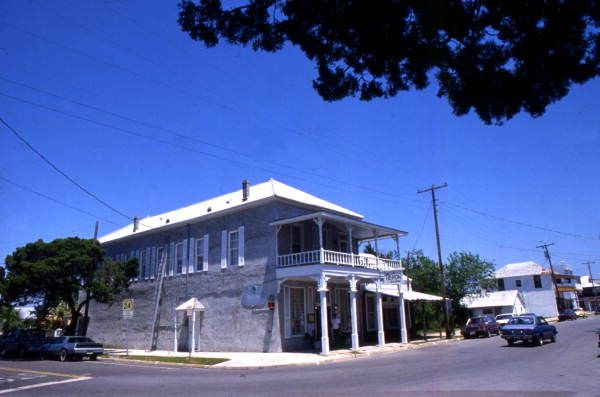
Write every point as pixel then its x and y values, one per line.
pixel 158 297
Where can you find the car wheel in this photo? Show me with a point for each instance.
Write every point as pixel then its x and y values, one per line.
pixel 553 338
pixel 488 333
pixel 21 352
pixel 538 341
pixel 510 342
pixel 62 356
pixel 3 353
pixel 94 357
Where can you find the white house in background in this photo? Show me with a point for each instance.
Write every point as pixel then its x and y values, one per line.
pixel 534 283
pixel 494 303
pixel 589 296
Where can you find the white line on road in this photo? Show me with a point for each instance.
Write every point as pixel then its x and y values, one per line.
pixel 58 382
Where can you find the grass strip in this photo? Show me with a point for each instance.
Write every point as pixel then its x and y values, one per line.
pixel 178 360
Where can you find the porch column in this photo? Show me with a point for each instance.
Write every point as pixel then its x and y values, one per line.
pixel 376 249
pixel 277 229
pixel 350 244
pixel 379 309
pixel 353 316
pixel 319 222
pixel 193 344
pixel 402 314
pixel 175 332
pixel 324 326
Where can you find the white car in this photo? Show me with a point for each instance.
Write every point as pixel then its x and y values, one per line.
pixel 503 319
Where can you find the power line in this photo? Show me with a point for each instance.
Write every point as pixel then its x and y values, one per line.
pixel 57 201
pixel 193 138
pixel 58 170
pixel 499 218
pixel 208 154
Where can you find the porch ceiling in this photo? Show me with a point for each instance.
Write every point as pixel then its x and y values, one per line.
pixel 361 230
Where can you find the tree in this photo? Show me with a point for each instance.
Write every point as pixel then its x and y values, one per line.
pixel 465 274
pixel 423 272
pixel 72 271
pixel 496 57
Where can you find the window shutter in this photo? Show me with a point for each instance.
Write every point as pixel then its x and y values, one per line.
pixel 241 246
pixel 191 255
pixel 152 263
pixel 184 256
pixel 148 254
pixel 171 258
pixel 136 254
pixel 223 249
pixel 205 254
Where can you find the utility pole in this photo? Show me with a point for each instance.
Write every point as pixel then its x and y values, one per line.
pixel 589 263
pixel 432 189
pixel 96 230
pixel 547 255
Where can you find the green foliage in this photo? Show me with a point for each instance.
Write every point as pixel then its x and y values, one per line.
pixel 424 273
pixel 496 57
pixel 9 318
pixel 71 271
pixel 370 249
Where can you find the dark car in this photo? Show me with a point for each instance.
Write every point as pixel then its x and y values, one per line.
pixel 532 329
pixel 597 311
pixel 480 326
pixel 65 347
pixel 567 314
pixel 22 342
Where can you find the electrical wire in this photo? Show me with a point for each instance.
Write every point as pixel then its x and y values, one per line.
pixel 61 172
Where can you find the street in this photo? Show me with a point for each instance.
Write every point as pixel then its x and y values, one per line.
pixel 474 367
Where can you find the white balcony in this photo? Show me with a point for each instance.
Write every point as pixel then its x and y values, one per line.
pixel 344 259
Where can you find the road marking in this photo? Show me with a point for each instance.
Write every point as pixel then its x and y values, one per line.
pixel 149 365
pixel 31 371
pixel 58 382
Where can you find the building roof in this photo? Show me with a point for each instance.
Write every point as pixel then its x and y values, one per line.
pixel 586 283
pixel 519 269
pixel 268 190
pixel 491 299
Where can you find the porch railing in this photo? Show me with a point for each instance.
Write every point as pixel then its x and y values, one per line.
pixel 337 258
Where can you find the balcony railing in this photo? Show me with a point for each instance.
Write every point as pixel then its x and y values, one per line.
pixel 339 259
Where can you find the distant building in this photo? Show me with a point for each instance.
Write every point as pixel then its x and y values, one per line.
pixel 494 303
pixel 534 282
pixel 589 296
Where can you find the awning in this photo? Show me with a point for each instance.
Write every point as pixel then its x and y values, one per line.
pixel 191 304
pixel 392 290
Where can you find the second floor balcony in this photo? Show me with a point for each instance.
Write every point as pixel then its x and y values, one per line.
pixel 329 239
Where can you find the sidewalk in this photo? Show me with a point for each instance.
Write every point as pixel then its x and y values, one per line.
pixel 246 360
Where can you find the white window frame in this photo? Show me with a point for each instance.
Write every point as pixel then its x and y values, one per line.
pixel 178 260
pixel 160 251
pixel 373 326
pixel 233 259
pixel 143 262
pixel 299 226
pixel 199 253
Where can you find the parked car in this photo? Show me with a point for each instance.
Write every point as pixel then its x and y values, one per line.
pixel 65 347
pixel 503 319
pixel 22 342
pixel 533 329
pixel 567 314
pixel 480 326
pixel 597 311
pixel 579 312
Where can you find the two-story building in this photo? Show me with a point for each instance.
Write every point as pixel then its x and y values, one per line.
pixel 533 282
pixel 272 269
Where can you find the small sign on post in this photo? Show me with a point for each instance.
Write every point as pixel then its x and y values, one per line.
pixel 127 314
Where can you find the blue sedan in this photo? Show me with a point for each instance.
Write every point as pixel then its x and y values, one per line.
pixel 528 328
pixel 65 347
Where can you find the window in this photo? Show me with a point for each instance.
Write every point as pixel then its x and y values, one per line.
pixel 500 284
pixel 343 243
pixel 160 253
pixel 537 281
pixel 518 283
pixel 200 254
pixel 296 238
pixel 179 258
pixel 233 248
pixel 370 311
pixel 297 312
pixel 143 273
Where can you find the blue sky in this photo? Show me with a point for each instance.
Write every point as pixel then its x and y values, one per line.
pixel 126 104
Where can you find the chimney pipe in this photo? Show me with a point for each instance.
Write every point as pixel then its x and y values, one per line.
pixel 245 190
pixel 136 223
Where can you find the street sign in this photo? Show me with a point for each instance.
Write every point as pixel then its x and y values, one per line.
pixel 127 308
pixel 393 277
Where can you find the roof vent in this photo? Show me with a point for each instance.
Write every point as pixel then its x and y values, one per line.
pixel 209 209
pixel 136 223
pixel 245 190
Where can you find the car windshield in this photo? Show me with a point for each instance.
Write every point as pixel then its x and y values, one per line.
pixel 503 316
pixel 522 320
pixel 76 339
pixel 476 320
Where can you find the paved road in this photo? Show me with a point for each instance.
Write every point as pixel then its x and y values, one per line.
pixel 480 367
